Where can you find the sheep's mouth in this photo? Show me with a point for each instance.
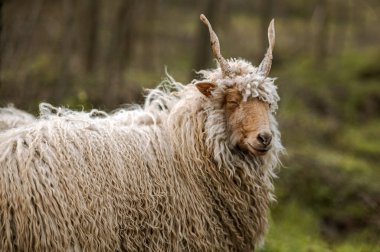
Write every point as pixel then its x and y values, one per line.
pixel 259 151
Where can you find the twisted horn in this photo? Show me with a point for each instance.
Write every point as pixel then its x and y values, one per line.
pixel 216 47
pixel 266 63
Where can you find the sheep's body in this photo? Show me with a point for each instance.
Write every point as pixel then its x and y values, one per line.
pixel 160 177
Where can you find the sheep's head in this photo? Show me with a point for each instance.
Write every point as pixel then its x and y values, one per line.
pixel 245 93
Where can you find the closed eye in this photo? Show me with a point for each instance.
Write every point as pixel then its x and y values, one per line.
pixel 233 103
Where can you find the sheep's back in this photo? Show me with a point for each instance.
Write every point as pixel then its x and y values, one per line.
pixel 94 184
pixel 73 184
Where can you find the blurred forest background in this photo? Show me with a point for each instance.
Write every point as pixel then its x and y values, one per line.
pixel 98 53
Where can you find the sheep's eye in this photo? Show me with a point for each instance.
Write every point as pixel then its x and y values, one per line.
pixel 233 102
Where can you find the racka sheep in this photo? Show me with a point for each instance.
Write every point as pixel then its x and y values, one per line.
pixel 190 170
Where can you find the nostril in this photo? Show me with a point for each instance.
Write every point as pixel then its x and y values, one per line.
pixel 264 138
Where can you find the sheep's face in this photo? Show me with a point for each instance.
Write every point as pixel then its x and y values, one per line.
pixel 247 122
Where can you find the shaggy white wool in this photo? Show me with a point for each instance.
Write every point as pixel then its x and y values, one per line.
pixel 248 80
pixel 161 177
pixel 11 117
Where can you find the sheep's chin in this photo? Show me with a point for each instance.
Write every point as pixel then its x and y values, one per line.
pixel 259 153
pixel 252 149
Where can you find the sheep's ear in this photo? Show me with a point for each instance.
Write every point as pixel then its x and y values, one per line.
pixel 205 87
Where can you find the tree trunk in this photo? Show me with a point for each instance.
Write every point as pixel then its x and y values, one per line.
pixel 90 21
pixel 149 38
pixel 67 43
pixel 120 49
pixel 321 21
pixel 1 41
pixel 348 25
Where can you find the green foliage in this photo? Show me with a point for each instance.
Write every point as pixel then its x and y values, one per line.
pixel 328 194
pixel 362 139
pixel 293 229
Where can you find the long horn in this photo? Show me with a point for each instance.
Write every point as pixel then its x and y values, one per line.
pixel 216 47
pixel 266 63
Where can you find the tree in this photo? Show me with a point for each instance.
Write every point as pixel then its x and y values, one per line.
pixel 90 24
pixel 1 38
pixel 320 20
pixel 149 29
pixel 120 49
pixel 67 42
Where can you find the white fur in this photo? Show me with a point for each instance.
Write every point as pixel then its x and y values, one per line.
pixel 248 80
pixel 162 177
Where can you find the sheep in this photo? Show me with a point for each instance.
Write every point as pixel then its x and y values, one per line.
pixel 191 169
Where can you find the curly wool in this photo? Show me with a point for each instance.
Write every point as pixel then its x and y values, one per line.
pixel 158 178
pixel 248 80
pixel 11 117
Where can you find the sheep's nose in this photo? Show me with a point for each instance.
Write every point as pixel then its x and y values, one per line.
pixel 264 138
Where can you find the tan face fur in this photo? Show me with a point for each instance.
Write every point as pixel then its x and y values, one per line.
pixel 248 122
